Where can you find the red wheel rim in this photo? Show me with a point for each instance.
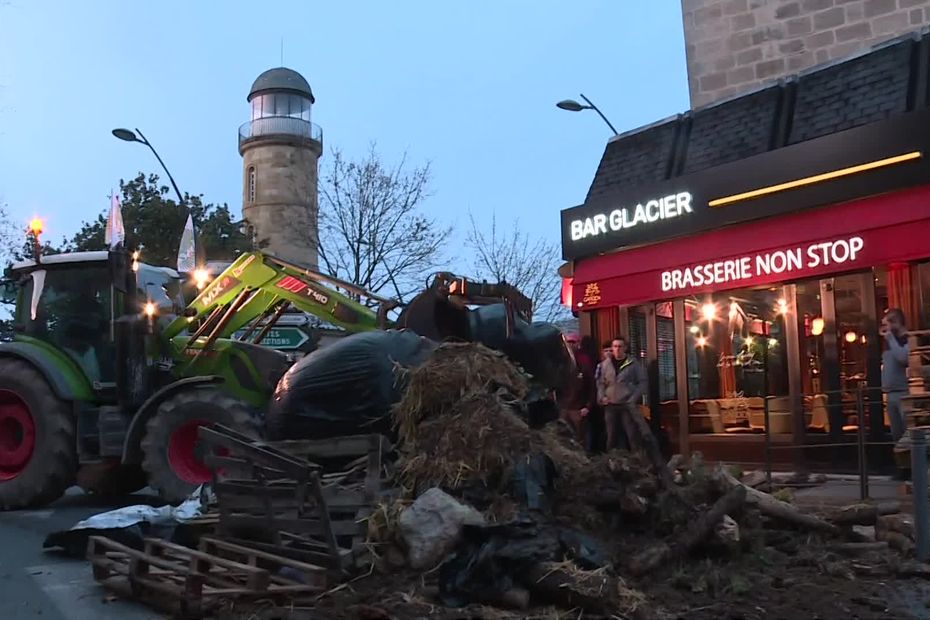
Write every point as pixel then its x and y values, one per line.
pixel 17 435
pixel 184 453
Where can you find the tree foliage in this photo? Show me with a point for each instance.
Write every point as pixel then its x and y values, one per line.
pixel 155 222
pixel 372 230
pixel 528 264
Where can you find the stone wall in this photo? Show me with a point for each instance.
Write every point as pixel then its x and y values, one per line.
pixel 284 212
pixel 733 46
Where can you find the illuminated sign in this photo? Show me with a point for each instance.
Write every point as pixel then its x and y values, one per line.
pixel 299 287
pixel 657 209
pixel 592 294
pixel 777 262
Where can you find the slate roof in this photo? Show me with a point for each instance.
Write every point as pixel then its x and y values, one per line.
pixel 889 79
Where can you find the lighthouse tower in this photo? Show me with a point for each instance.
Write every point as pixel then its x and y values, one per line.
pixel 280 151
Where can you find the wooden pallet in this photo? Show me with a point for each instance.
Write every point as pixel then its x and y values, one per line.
pixel 276 494
pixel 192 583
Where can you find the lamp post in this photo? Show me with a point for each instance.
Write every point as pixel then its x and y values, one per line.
pixel 129 136
pixel 573 106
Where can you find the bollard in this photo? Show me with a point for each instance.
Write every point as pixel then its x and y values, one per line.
pixel 921 501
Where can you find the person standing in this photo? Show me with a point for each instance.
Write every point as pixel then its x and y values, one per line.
pixel 894 368
pixel 620 390
pixel 577 401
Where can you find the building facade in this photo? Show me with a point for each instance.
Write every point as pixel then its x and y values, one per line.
pixel 749 248
pixel 280 149
pixel 734 46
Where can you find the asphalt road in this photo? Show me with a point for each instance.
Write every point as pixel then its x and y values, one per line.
pixel 35 583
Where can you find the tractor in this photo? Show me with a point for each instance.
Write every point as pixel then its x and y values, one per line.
pixel 110 372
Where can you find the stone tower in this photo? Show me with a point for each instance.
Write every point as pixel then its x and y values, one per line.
pixel 734 46
pixel 280 151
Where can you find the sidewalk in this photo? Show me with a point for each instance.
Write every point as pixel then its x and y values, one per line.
pixel 842 490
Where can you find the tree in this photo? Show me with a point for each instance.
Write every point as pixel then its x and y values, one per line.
pixel 372 231
pixel 529 265
pixel 155 222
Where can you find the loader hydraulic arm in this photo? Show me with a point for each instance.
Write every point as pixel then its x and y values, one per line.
pixel 257 288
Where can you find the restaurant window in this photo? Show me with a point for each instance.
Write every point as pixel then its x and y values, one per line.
pixel 737 362
pixel 638 345
pixel 665 335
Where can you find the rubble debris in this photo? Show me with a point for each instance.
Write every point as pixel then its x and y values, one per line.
pixel 131 524
pixel 545 528
pixel 432 526
pixel 653 557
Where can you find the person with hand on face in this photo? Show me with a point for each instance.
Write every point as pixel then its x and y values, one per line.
pixel 894 368
pixel 620 389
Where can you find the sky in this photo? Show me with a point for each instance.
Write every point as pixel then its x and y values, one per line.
pixel 469 87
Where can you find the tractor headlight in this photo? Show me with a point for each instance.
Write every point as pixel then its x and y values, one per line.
pixel 201 278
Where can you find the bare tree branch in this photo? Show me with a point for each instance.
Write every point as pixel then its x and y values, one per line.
pixel 531 266
pixel 372 232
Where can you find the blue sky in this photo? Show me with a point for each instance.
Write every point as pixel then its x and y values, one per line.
pixel 469 86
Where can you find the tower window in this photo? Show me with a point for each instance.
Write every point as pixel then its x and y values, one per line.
pixel 251 184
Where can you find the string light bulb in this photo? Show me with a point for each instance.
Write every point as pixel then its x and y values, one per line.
pixel 709 311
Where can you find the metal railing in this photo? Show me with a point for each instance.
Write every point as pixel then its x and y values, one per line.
pixel 279 126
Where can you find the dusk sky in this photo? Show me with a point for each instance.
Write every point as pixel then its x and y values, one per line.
pixel 469 86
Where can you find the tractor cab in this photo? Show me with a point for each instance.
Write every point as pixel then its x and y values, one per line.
pixel 71 306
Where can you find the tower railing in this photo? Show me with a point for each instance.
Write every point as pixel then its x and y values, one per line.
pixel 279 126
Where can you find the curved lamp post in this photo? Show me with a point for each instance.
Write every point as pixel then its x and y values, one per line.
pixel 573 106
pixel 129 136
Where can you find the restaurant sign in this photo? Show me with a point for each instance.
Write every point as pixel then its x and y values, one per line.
pixel 868 160
pixel 785 262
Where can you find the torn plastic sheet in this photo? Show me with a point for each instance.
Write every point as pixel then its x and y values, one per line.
pixel 131 524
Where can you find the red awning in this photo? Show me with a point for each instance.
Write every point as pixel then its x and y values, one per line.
pixel 889 228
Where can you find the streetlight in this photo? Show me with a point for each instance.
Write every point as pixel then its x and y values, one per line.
pixel 129 136
pixel 573 106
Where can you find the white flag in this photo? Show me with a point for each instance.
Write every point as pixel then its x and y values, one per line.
pixel 115 233
pixel 187 253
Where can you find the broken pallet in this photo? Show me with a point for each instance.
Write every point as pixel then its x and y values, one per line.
pixel 192 583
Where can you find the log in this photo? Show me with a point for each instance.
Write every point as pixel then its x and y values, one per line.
pixel 698 531
pixel 856 514
pixel 863 514
pixel 618 501
pixel 855 548
pixel 771 507
pixel 896 541
pixel 902 524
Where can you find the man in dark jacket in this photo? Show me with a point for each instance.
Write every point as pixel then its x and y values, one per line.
pixel 620 388
pixel 577 401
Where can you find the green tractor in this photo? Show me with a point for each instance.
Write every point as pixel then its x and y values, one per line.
pixel 110 373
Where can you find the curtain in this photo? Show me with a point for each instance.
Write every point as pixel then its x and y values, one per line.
pixel 607 324
pixel 901 293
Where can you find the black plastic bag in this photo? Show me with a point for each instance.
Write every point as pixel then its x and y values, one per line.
pixel 537 347
pixel 532 485
pixel 347 388
pixel 491 560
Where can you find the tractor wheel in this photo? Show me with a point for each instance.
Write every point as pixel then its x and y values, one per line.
pixel 173 454
pixel 38 449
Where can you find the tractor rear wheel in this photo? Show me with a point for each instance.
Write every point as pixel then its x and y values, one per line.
pixel 38 449
pixel 173 455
